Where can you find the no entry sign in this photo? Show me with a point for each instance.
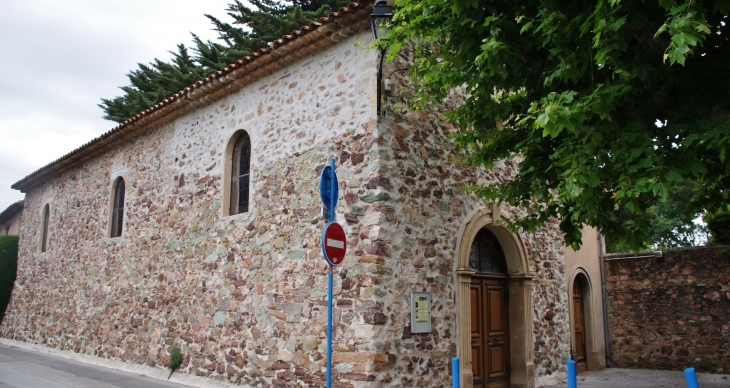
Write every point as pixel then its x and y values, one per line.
pixel 334 243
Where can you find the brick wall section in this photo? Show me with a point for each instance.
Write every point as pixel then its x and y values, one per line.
pixel 671 312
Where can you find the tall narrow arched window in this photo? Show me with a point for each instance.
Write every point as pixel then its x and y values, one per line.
pixel 44 232
pixel 118 209
pixel 240 174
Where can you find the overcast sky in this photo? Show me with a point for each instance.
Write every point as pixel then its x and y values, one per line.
pixel 59 58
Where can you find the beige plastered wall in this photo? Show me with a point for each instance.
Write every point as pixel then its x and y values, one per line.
pixel 586 262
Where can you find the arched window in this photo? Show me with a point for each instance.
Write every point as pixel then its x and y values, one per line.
pixel 240 174
pixel 118 208
pixel 44 225
pixel 486 254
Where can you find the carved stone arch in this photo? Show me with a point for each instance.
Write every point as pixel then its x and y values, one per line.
pixel 520 297
pixel 592 361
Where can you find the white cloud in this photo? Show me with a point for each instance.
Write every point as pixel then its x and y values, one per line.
pixel 60 58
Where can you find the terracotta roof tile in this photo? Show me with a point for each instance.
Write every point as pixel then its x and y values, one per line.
pixel 351 18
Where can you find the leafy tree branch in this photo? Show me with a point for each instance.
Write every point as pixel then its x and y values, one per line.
pixel 609 106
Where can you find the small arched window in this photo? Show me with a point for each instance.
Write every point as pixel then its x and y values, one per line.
pixel 486 254
pixel 44 225
pixel 118 209
pixel 240 174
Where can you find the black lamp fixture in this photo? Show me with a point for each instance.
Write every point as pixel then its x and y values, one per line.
pixel 380 19
pixel 380 24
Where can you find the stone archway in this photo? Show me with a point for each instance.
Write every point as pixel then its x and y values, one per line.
pixel 591 353
pixel 520 298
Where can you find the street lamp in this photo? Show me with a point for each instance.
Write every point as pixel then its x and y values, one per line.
pixel 380 24
pixel 380 19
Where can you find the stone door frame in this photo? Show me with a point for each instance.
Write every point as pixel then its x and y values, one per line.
pixel 520 298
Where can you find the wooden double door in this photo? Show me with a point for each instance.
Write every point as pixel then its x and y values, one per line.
pixel 490 331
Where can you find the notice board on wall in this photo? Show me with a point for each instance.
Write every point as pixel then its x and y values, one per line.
pixel 420 312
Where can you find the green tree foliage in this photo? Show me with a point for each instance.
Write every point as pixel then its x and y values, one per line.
pixel 719 226
pixel 251 29
pixel 8 268
pixel 153 83
pixel 607 105
pixel 672 221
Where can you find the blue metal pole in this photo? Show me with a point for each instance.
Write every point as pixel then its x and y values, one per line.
pixel 455 373
pixel 329 328
pixel 691 377
pixel 333 202
pixel 572 381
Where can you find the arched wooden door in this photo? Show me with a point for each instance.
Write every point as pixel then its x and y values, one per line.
pixel 579 331
pixel 489 313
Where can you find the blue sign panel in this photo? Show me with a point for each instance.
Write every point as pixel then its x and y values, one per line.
pixel 329 190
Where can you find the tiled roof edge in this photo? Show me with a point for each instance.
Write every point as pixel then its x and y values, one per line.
pixel 308 39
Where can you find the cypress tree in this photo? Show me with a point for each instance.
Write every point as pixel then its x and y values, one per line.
pixel 250 30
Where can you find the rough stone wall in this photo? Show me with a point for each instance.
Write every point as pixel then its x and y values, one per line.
pixel 550 313
pixel 671 312
pixel 418 193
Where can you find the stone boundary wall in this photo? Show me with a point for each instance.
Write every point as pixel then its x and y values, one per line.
pixel 671 312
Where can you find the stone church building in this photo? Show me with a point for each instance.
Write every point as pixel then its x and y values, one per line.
pixel 197 224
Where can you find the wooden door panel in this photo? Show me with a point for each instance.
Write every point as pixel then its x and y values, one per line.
pixel 496 297
pixel 491 311
pixel 579 355
pixel 579 324
pixel 579 334
pixel 477 362
pixel 496 356
pixel 496 335
pixel 578 311
pixel 476 311
pixel 477 336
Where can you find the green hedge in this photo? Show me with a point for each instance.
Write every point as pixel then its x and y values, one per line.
pixel 8 269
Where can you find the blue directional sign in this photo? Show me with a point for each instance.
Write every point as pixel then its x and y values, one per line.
pixel 329 190
pixel 334 246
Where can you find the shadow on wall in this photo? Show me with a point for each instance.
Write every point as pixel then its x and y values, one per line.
pixel 8 269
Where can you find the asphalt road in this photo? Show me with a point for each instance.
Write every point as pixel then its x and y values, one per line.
pixel 640 378
pixel 20 368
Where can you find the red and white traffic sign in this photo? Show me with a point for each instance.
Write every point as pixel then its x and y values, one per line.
pixel 334 243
